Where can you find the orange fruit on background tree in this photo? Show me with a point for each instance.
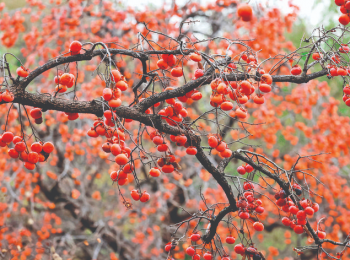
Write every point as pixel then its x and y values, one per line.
pixel 172 131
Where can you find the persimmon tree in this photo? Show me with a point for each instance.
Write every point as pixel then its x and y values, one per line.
pixel 101 90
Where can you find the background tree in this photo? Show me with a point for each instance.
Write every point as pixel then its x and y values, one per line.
pixel 105 133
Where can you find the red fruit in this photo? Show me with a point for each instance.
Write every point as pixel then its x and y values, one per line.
pixel 226 106
pixel 213 142
pixel 343 9
pixel 285 208
pixel 13 153
pixel 301 222
pixel 135 194
pixel 248 186
pixel 301 214
pixel 265 88
pixel 22 72
pixel 293 209
pixel 296 70
pixel 347 5
pixel 20 147
pixel 315 207
pixel 226 153
pixel 33 157
pixel 198 73
pixel 71 82
pixel 344 19
pixel 29 166
pixel 115 149
pixel 333 72
pixel 65 79
pixel 250 199
pixel 165 57
pixel 48 147
pixel 24 156
pixel 316 56
pixel 230 240
pixel 176 72
pixel 7 137
pixel 122 175
pixel 196 57
pixel 168 168
pixel 72 116
pixel 243 99
pixel 346 90
pixel 239 249
pixel 245 87
pixel 281 202
pixel 162 148
pixel 121 159
pixel 116 75
pixel 339 2
pixel 258 226
pixel 108 114
pixel 171 60
pixel 222 88
pixel 259 209
pixel 41 157
pixel 341 72
pixel 190 251
pixel 232 66
pixel 75 47
pixel 286 221
pixel 298 229
pixel 181 140
pixel 248 168
pixel 309 211
pixel 243 215
pixel 154 172
pixel 292 224
pixel 241 170
pixel 7 96
pixel 241 113
pixel 321 234
pixel 122 85
pixel 221 147
pixel 157 140
pixel 35 113
pixel 160 162
pixel 122 181
pixel 208 256
pixel 61 88
pixel 168 247
pixel 304 203
pixel 266 78
pixel 17 139
pixel 106 147
pixel 128 168
pixel 107 94
pixel 344 48
pixel 195 237
pixel 196 257
pixel 245 11
pixel 259 99
pixel 162 64
pixel 191 150
pixel 144 197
